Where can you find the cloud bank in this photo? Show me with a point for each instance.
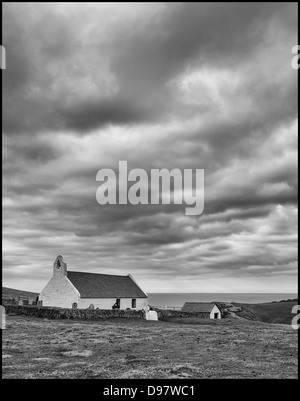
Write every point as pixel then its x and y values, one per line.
pixel 180 85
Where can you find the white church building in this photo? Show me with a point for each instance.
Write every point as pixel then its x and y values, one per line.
pixel 72 289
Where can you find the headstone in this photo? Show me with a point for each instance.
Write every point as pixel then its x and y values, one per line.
pixel 3 317
pixel 151 315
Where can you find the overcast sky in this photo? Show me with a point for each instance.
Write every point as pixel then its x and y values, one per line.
pixel 201 86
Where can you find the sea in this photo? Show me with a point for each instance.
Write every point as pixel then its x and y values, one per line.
pixel 176 300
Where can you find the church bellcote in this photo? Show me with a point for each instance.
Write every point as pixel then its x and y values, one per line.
pixel 59 267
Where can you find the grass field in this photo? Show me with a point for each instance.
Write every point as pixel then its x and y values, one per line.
pixel 229 348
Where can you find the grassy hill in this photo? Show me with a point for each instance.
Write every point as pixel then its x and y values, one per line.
pixel 11 293
pixel 272 312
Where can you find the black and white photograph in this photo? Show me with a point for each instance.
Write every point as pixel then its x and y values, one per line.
pixel 149 193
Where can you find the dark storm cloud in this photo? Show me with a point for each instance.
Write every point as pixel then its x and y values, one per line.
pixel 31 149
pixel 179 86
pixel 210 32
pixel 141 60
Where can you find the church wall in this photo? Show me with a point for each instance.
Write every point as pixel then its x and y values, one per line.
pixel 59 292
pixel 107 303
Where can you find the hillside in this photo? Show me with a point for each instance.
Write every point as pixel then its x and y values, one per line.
pixel 9 293
pixel 271 312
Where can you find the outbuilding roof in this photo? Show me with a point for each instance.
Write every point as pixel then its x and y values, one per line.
pixel 93 285
pixel 197 307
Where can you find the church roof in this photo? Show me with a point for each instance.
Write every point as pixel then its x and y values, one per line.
pixel 197 307
pixel 93 285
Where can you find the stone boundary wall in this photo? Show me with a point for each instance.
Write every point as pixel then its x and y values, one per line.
pixel 94 314
pixel 80 314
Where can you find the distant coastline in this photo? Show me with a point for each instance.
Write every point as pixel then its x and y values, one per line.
pixel 178 299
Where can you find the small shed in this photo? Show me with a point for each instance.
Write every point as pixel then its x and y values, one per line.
pixel 212 310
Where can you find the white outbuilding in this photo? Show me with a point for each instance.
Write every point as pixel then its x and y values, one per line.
pixel 210 310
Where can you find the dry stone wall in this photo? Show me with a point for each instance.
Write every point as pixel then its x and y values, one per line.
pixel 64 313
